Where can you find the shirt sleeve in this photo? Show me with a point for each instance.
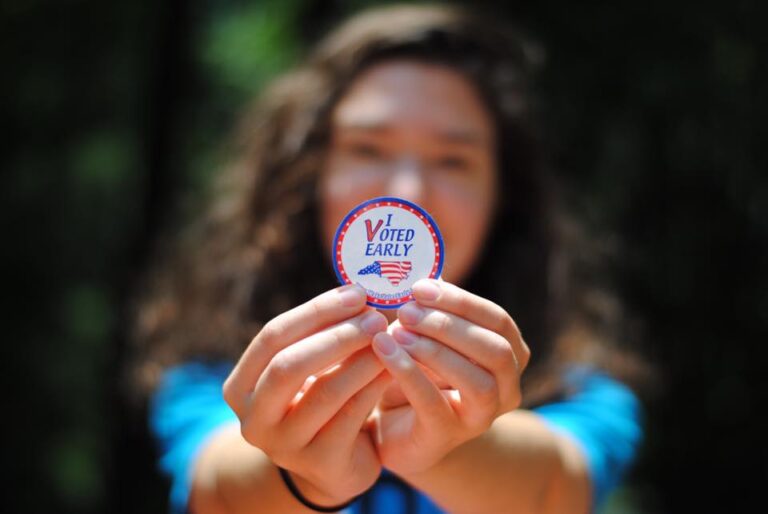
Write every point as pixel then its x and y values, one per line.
pixel 604 417
pixel 185 410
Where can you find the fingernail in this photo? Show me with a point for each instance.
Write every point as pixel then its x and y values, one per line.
pixel 404 337
pixel 426 290
pixel 352 295
pixel 385 344
pixel 410 313
pixel 372 323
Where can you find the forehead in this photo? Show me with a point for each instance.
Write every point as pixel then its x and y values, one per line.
pixel 412 95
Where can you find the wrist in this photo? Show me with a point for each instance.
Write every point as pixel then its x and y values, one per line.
pixel 423 464
pixel 316 494
pixel 313 497
pixel 435 466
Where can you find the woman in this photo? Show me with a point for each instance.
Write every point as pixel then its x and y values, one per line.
pixel 416 409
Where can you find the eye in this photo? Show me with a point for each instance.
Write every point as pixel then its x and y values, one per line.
pixel 365 150
pixel 452 162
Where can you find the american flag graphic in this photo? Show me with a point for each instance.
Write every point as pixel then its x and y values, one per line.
pixel 394 271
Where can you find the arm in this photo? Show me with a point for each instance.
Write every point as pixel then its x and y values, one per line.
pixel 213 469
pixel 233 477
pixel 466 446
pixel 315 429
pixel 518 465
pixel 563 457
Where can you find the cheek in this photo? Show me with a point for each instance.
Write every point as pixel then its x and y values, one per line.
pixel 341 184
pixel 342 189
pixel 463 215
pixel 466 204
pixel 464 233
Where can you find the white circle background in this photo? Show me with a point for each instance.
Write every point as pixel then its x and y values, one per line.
pixel 422 254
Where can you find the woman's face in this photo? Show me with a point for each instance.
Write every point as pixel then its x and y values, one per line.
pixel 419 132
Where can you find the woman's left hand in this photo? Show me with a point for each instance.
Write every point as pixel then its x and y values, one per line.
pixel 470 343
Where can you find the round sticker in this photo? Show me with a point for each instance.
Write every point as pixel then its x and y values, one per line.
pixel 385 245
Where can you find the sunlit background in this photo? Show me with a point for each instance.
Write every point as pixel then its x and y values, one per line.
pixel 116 113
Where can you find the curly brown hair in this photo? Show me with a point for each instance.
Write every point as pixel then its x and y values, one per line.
pixel 256 250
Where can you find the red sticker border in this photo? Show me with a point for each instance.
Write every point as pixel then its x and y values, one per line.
pixel 387 202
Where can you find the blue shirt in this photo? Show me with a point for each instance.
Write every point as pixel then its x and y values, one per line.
pixel 600 414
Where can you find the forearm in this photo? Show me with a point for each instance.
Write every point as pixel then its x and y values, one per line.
pixel 519 465
pixel 233 477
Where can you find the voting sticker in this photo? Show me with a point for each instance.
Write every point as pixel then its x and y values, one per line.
pixel 385 245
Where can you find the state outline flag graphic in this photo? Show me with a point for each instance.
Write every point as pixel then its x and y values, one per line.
pixel 394 271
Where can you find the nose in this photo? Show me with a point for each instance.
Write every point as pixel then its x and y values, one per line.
pixel 408 180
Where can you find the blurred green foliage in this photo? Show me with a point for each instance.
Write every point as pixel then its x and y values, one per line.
pixel 116 115
pixel 245 46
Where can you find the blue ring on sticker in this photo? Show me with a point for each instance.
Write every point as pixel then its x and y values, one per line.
pixel 399 249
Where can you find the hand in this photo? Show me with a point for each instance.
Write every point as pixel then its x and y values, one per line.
pixel 314 427
pixel 470 343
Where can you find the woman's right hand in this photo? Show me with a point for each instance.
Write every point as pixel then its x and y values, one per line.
pixel 314 429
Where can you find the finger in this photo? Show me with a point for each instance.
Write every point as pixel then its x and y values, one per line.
pixel 485 347
pixel 436 379
pixel 478 389
pixel 341 431
pixel 450 298
pixel 293 368
pixel 447 297
pixel 431 406
pixel 320 312
pixel 289 369
pixel 394 397
pixel 328 394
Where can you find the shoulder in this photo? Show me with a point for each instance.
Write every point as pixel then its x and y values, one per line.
pixel 605 419
pixel 185 410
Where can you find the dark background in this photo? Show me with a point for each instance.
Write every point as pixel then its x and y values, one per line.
pixel 114 115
